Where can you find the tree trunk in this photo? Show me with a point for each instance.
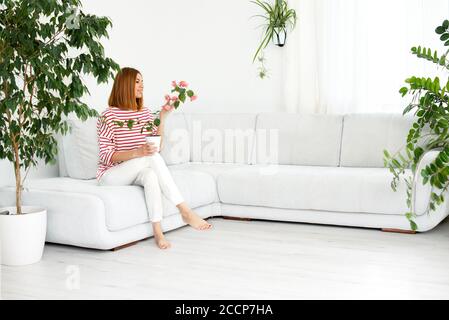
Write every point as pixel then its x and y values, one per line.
pixel 18 179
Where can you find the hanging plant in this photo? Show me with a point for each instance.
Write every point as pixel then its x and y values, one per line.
pixel 277 19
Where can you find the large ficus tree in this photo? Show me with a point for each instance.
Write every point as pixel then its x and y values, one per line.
pixel 46 46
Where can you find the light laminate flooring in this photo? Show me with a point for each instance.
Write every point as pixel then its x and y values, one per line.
pixel 246 260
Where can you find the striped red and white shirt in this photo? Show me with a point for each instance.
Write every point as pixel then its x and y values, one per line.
pixel 113 138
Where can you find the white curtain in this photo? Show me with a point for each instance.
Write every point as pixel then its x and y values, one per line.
pixel 350 56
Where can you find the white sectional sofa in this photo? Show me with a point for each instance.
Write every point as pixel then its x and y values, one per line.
pixel 319 169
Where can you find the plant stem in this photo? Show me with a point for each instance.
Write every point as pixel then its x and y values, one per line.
pixel 16 156
pixel 18 177
pixel 15 142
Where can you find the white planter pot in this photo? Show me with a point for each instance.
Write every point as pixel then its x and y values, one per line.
pixel 22 236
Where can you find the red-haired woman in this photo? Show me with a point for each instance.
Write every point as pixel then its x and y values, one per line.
pixel 126 158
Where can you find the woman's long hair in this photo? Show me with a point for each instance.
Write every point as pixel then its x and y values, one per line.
pixel 123 94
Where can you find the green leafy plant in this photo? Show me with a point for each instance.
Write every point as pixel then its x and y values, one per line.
pixel 277 18
pixel 180 93
pixel 430 106
pixel 46 46
pixel 262 70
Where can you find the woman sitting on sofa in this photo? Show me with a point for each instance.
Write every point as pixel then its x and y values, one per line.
pixel 126 158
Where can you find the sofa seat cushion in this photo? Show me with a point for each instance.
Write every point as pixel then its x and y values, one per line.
pixel 125 205
pixel 355 190
pixel 213 169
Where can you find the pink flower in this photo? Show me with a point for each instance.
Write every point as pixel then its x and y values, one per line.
pixel 167 97
pixel 173 83
pixel 168 107
pixel 174 98
pixel 193 98
pixel 183 84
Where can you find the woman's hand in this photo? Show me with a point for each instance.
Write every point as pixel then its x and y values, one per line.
pixel 147 149
pixel 165 111
pixel 168 106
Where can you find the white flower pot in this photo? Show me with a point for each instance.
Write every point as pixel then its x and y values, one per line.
pixel 22 236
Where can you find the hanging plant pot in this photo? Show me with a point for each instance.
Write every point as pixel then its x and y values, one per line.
pixel 277 18
pixel 279 36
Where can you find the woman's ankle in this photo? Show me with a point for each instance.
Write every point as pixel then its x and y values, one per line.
pixel 184 209
pixel 157 230
pixel 182 206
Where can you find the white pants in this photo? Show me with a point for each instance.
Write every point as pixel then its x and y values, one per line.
pixel 152 174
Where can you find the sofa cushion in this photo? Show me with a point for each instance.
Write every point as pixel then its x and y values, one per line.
pixel 176 144
pixel 212 169
pixel 366 136
pixel 308 140
pixel 61 158
pixel 357 190
pixel 224 138
pixel 80 148
pixel 125 205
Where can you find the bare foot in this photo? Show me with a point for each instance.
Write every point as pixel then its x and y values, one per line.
pixel 161 242
pixel 195 221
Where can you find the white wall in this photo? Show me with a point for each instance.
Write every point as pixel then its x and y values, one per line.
pixel 7 177
pixel 208 43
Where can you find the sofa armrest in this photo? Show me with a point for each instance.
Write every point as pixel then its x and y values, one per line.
pixel 426 220
pixel 421 193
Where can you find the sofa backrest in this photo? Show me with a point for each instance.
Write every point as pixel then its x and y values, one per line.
pixel 78 150
pixel 271 138
pixel 224 138
pixel 366 136
pixel 176 143
pixel 311 140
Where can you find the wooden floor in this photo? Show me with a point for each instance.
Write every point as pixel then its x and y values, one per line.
pixel 246 260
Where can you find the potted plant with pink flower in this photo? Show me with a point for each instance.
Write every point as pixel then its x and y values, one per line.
pixel 180 92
